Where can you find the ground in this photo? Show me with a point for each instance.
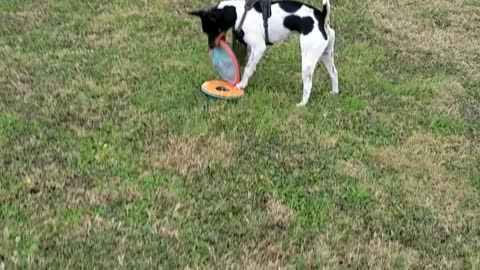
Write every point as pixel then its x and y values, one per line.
pixel 111 157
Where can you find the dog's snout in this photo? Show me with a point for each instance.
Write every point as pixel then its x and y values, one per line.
pixel 214 41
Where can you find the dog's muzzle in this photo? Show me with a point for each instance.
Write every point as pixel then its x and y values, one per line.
pixel 217 40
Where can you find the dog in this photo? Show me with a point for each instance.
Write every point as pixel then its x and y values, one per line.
pixel 317 38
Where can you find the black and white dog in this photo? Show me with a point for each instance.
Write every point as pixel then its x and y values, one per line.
pixel 317 38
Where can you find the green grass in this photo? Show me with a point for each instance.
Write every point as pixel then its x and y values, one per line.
pixel 111 157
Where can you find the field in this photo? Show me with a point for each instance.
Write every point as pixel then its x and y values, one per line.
pixel 111 157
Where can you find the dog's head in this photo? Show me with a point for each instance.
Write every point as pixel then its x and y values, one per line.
pixel 216 22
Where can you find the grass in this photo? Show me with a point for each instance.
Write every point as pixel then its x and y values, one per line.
pixel 111 157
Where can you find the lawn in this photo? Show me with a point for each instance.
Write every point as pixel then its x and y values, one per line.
pixel 112 158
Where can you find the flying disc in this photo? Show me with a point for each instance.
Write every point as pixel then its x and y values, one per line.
pixel 225 62
pixel 221 89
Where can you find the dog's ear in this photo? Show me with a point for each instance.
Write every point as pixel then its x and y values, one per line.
pixel 198 13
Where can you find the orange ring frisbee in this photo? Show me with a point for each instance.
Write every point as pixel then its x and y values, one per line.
pixel 226 64
pixel 221 89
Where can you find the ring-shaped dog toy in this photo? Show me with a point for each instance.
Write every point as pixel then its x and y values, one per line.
pixel 226 64
pixel 221 89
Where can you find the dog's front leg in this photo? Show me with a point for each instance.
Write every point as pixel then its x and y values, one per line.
pixel 255 54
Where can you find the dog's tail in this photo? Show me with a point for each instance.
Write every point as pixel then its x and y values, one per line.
pixel 326 13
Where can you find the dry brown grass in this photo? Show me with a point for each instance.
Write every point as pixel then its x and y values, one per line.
pixel 104 33
pixel 446 98
pixel 191 156
pixel 109 17
pixel 424 153
pixel 326 141
pixel 359 172
pixel 87 197
pixel 11 23
pixel 20 86
pixel 401 21
pixel 265 255
pixel 91 224
pixel 165 231
pixel 23 21
pixel 98 39
pixel 281 214
pixel 93 197
pixel 457 33
pixel 353 168
pixel 373 254
pixel 421 165
pixel 296 123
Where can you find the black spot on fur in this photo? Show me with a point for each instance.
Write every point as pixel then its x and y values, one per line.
pixel 307 25
pixel 290 6
pixel 302 25
pixel 320 16
pixel 257 7
pixel 230 16
pixel 293 23
pixel 238 35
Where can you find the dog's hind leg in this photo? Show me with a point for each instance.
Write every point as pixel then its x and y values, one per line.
pixel 311 52
pixel 328 61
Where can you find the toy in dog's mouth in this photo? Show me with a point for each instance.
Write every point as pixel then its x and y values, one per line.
pixel 225 62
pixel 219 38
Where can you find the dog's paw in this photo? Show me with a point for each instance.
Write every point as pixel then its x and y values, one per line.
pixel 241 85
pixel 333 93
pixel 301 104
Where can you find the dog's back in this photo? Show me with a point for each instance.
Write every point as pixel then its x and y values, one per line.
pixel 287 17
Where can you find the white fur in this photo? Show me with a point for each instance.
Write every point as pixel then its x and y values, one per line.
pixel 313 45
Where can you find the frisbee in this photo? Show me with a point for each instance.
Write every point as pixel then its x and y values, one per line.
pixel 225 62
pixel 221 89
